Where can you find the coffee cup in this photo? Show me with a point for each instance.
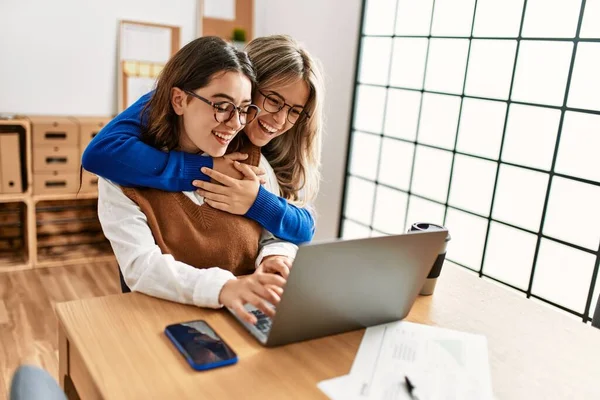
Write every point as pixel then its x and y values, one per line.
pixel 429 285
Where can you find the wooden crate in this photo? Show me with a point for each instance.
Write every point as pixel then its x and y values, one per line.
pixel 46 228
pixel 13 236
pixel 68 231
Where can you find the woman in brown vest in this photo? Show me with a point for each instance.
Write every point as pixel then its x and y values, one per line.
pixel 172 245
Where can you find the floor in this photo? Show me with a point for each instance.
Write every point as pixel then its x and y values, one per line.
pixel 28 326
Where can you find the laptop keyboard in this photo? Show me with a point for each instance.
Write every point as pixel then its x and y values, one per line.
pixel 263 323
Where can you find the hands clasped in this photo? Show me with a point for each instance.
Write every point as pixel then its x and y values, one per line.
pixel 237 185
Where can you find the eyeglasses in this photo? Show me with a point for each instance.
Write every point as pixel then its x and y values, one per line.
pixel 225 110
pixel 273 103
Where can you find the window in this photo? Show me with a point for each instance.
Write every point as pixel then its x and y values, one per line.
pixel 484 116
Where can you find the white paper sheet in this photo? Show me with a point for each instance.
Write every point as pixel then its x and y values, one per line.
pixel 145 43
pixel 441 364
pixel 348 387
pixel 342 388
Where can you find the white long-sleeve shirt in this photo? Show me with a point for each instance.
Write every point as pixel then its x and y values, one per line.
pixel 144 267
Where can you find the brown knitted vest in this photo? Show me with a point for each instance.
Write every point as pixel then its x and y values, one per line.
pixel 200 236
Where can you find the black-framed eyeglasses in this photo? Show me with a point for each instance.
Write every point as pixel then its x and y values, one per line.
pixel 273 103
pixel 225 110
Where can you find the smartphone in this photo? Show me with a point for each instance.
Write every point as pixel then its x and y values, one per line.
pixel 202 348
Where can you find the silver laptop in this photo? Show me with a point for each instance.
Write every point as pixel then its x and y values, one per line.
pixel 345 285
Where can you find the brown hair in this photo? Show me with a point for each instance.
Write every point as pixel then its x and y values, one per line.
pixel 189 69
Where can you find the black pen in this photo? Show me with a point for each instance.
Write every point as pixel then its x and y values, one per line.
pixel 410 387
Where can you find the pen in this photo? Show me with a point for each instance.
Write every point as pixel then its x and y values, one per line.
pixel 410 387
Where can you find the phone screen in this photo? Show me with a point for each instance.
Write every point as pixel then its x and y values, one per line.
pixel 200 344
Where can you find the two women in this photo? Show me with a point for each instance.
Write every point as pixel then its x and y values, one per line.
pixel 290 91
pixel 180 245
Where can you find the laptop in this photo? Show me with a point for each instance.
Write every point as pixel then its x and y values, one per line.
pixel 344 285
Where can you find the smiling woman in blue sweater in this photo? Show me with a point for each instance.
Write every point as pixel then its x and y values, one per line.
pixel 288 129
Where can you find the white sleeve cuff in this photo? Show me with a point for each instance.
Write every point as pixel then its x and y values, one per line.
pixel 208 287
pixel 277 249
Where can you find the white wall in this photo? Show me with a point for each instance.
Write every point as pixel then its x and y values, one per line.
pixel 329 29
pixel 59 56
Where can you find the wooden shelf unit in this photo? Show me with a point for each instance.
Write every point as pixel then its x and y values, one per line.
pixel 14 235
pixel 78 196
pixel 27 252
pixel 11 198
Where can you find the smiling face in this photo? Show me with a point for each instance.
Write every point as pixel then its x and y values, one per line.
pixel 268 126
pixel 200 131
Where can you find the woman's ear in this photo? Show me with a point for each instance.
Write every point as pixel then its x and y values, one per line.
pixel 178 100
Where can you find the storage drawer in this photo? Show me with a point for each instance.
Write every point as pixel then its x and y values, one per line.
pixel 54 131
pixel 56 182
pixel 57 158
pixel 89 182
pixel 89 128
pixel 11 180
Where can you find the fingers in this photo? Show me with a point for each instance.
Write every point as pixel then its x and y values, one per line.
pixel 271 279
pixel 276 289
pixel 267 294
pixel 257 170
pixel 277 264
pixel 260 173
pixel 210 187
pixel 259 303
pixel 241 312
pixel 278 267
pixel 285 271
pixel 258 289
pixel 218 205
pixel 213 196
pixel 245 169
pixel 237 156
pixel 219 177
pixel 263 291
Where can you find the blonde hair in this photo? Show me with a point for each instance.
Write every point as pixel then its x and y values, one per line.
pixel 296 155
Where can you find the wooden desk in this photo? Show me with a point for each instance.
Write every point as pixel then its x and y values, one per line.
pixel 114 348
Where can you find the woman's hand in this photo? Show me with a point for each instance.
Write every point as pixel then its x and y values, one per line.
pixel 280 265
pixel 256 289
pixel 234 196
pixel 225 166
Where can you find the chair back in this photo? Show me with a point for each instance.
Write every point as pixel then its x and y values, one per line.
pixel 124 287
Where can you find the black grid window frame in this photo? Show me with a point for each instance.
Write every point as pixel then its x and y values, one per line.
pixel 551 173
